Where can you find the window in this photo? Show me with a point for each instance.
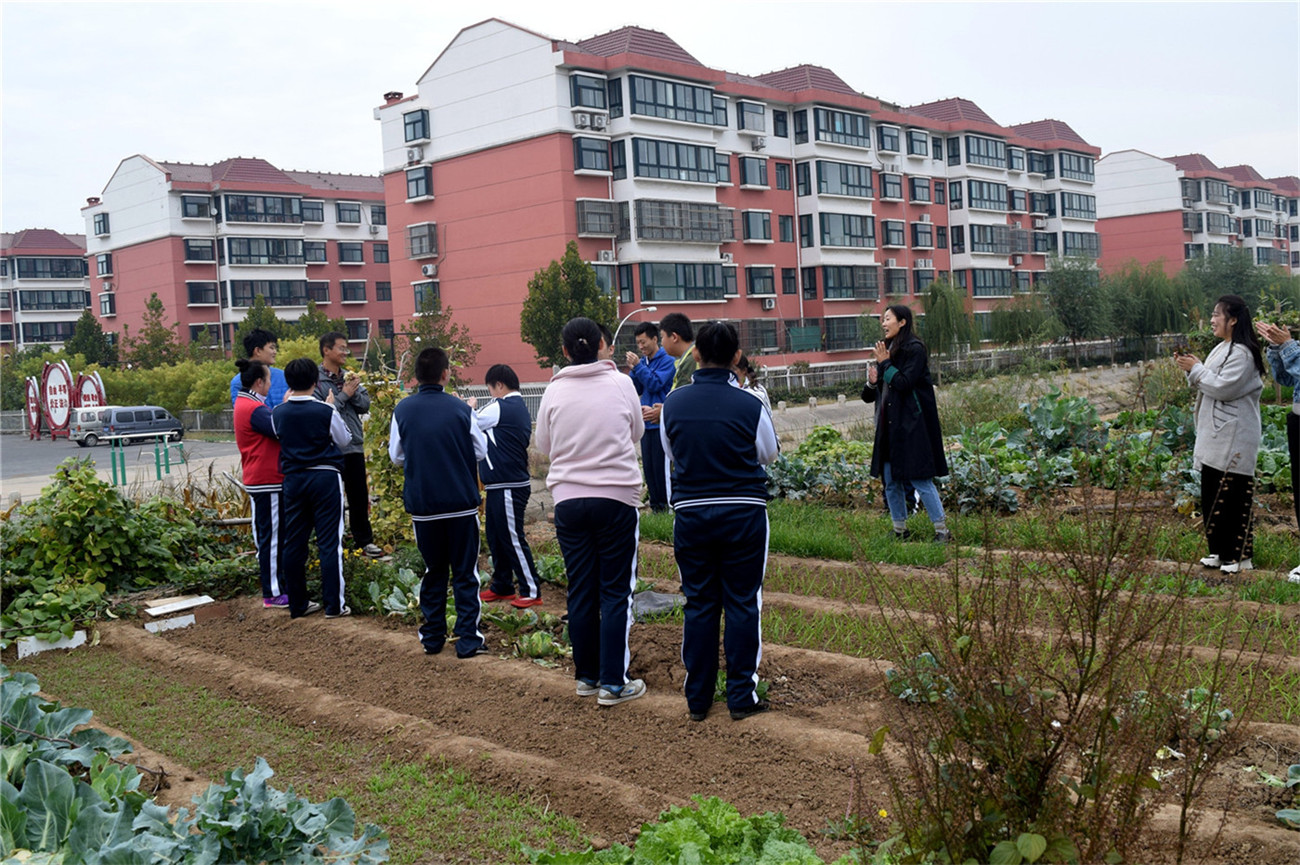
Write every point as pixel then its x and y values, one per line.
pixel 666 282
pixel 1190 188
pixel 1219 223
pixel 425 294
pixel 940 237
pixel 1086 244
pixel 419 183
pixel 351 253
pixel 987 196
pixel 1040 163
pixel 782 175
pixel 6 300
pixel 919 189
pixel 197 207
pixel 958 239
pixel 358 329
pixel 780 124
pixel 1042 202
pixel 48 331
pixel 352 291
pixel 724 167
pixel 922 235
pixel 936 148
pixel 104 264
pixel 263 208
pixel 313 251
pixel 1015 159
pixel 101 224
pixel 893 233
pixel 653 97
pixel 729 282
pixel 313 211
pixel 808 277
pixel 841 282
pixel 751 116
pixel 843 334
pixel 670 160
pixel 801 127
pixel 1077 206
pixel 891 185
pixel 202 334
pixel 378 214
pixel 201 293
pixel 46 300
pixel 757 225
pixel 587 91
pixel 416 125
pixel 1076 166
pixel 887 138
pixel 198 250
pixel 986 151
pixel 263 250
pixel 383 291
pixel 422 240
pixel 994 239
pixel 844 229
pixel 1044 242
pixel 753 172
pixel 921 281
pixel 1018 200
pixel 785 229
pixel 839 127
pixel 760 281
pixel 805 230
pixel 380 252
pixel 596 217
pixel 589 154
pixel 895 281
pixel 618 159
pixel 684 221
pixel 802 185
pixel 789 280
pixel 278 292
pixel 614 96
pixel 918 143
pixel 604 278
pixel 842 178
pixel 349 212
pixel 1024 281
pixel 940 192
pixel 1217 192
pixel 107 304
pixel 954 151
pixel 318 291
pixel 990 283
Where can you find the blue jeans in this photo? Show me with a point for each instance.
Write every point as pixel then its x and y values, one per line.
pixel 898 502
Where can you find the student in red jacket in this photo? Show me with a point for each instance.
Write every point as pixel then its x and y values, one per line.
pixel 259 453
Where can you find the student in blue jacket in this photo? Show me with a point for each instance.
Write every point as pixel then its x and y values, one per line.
pixel 652 370
pixel 1284 359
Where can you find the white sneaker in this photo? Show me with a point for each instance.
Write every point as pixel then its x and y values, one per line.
pixel 1211 562
pixel 1234 567
pixel 1294 576
pixel 630 691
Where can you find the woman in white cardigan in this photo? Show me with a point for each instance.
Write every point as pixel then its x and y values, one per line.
pixel 1228 431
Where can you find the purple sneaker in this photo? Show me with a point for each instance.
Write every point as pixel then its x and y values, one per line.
pixel 279 602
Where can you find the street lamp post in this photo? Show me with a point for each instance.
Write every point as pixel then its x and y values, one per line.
pixel 626 317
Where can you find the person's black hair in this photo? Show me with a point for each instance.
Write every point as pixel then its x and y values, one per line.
pixel 743 365
pixel 1243 332
pixel 607 336
pixel 675 322
pixel 251 371
pixel 647 328
pixel 500 373
pixel 430 364
pixel 717 342
pixel 906 332
pixel 301 374
pixel 327 340
pixel 256 338
pixel 581 337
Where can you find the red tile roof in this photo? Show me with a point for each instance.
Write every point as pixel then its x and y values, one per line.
pixel 43 240
pixel 807 77
pixel 241 170
pixel 1290 184
pixel 1048 130
pixel 950 110
pixel 636 40
pixel 244 170
pixel 339 182
pixel 1193 162
pixel 1244 173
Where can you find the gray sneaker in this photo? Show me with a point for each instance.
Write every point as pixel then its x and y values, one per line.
pixel 344 610
pixel 630 691
pixel 373 551
pixel 943 536
pixel 312 607
pixel 587 689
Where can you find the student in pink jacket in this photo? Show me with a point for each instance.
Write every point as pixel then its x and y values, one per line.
pixel 588 424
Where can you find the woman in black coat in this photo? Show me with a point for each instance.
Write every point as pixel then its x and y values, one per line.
pixel 909 445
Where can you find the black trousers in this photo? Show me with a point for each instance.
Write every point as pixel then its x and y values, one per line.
pixel 1293 446
pixel 354 481
pixel 450 545
pixel 512 558
pixel 1226 502
pixel 652 462
pixel 313 500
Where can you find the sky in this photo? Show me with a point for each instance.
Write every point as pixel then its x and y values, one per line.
pixel 86 85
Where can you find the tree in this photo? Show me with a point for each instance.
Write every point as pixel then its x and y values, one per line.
pixel 1075 295
pixel 90 341
pixel 563 290
pixel 1144 302
pixel 947 324
pixel 1026 320
pixel 1230 271
pixel 433 326
pixel 313 323
pixel 156 344
pixel 260 315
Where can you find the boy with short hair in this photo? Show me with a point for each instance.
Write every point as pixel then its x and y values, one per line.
pixel 652 372
pixel 507 426
pixel 311 434
pixel 260 345
pixel 352 401
pixel 677 337
pixel 434 437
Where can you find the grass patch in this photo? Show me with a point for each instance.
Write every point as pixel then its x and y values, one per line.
pixel 421 805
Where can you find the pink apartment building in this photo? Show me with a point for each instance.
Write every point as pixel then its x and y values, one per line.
pixel 43 287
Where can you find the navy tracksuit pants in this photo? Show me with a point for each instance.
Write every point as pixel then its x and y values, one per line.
pixel 721 553
pixel 450 545
pixel 512 558
pixel 598 539
pixel 652 462
pixel 313 500
pixel 268 537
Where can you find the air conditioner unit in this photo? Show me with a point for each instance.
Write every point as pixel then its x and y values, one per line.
pixel 889 167
pixel 759 142
pixel 891 262
pixel 925 217
pixel 769 303
pixel 1017 259
pixel 1187 202
pixel 429 269
pixel 1015 224
pixel 727 258
pixel 414 154
pixel 605 255
pixel 108 286
pixel 1232 209
pixel 1040 222
pixel 582 120
pixel 374 229
pixel 925 263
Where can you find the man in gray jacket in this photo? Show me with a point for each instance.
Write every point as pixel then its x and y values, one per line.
pixel 352 401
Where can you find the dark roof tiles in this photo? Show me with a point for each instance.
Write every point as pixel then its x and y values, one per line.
pixel 807 77
pixel 43 239
pixel 1193 162
pixel 245 170
pixel 636 40
pixel 952 110
pixel 1048 130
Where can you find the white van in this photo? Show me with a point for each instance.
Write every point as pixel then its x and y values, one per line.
pixel 86 427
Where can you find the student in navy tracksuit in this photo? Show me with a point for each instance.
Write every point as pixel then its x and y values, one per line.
pixel 508 426
pixel 435 438
pixel 718 438
pixel 311 434
pixel 652 372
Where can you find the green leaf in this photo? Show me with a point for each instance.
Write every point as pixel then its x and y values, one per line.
pixel 1005 853
pixel 1031 846
pixel 49 796
pixel 13 820
pixel 1290 817
pixel 878 740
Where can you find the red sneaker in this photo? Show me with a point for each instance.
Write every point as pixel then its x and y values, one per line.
pixel 489 595
pixel 524 603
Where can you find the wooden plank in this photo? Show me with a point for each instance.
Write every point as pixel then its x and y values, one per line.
pixel 177 607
